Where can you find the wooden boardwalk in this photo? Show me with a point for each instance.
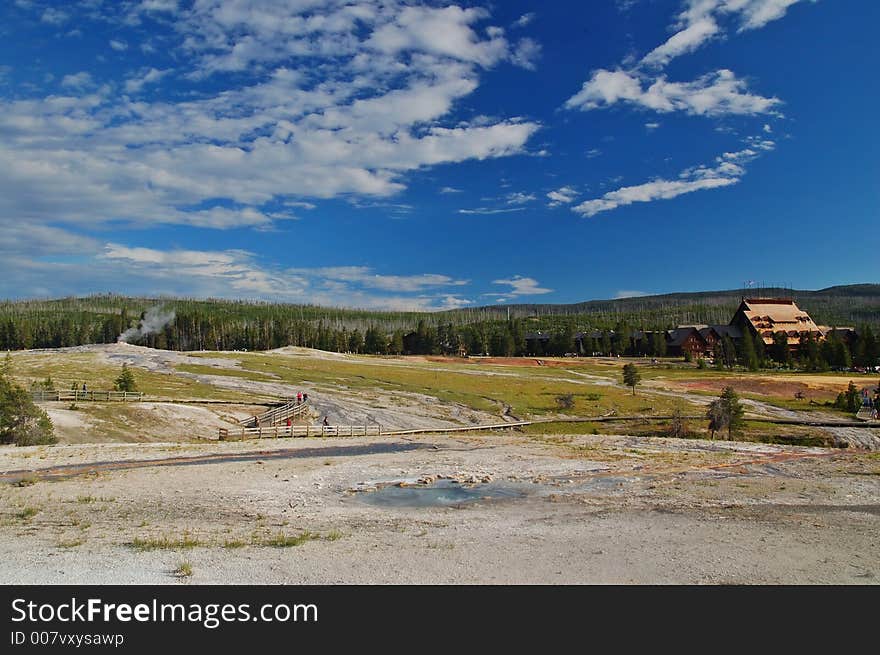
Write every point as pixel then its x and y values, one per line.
pixel 42 396
pixel 285 431
pixel 289 410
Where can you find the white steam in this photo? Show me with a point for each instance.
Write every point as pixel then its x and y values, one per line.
pixel 153 321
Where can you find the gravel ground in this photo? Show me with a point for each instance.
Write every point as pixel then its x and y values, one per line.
pixel 596 509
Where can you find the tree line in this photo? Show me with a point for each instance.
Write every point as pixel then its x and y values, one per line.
pixel 238 325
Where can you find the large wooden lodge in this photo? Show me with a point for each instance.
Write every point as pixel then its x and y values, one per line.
pixel 763 318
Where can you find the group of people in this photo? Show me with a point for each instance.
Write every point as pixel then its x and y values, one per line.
pixel 301 397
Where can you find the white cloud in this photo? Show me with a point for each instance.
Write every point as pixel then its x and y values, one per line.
pixel 491 210
pixel 526 54
pixel 519 198
pixel 80 80
pixel 521 286
pixel 381 108
pixel 715 94
pixel 592 153
pixel 118 45
pixel 687 40
pixel 562 196
pixel 366 277
pixel 159 5
pixel 757 13
pixel 629 294
pixel 524 20
pixel 651 126
pixel 148 76
pixel 53 16
pixel 443 31
pixel 727 170
pixel 449 189
pixel 698 23
pixel 237 273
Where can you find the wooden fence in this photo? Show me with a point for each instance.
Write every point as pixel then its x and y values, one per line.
pixel 42 396
pixel 289 410
pixel 284 431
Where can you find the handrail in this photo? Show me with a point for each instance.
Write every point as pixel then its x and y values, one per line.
pixel 284 431
pixel 44 395
pixel 291 409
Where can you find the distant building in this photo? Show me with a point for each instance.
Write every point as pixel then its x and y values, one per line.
pixel 685 339
pixel 764 317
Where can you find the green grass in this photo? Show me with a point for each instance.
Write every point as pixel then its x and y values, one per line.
pixel 530 391
pixel 184 542
pixel 71 543
pixel 183 570
pixel 282 540
pixel 90 368
pixel 27 513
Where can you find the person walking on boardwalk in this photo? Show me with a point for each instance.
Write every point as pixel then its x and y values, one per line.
pixel 326 422
pixel 299 397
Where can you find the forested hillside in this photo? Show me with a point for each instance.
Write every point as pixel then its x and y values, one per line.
pixel 188 324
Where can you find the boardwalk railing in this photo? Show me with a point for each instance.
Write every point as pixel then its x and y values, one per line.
pixel 283 431
pixel 289 410
pixel 42 396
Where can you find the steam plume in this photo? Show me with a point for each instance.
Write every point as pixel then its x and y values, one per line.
pixel 153 321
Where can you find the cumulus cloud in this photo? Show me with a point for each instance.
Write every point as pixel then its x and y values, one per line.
pixel 236 273
pixel 148 76
pixel 727 170
pixel 562 196
pixel 526 54
pixel 699 22
pixel 54 16
pixel 520 286
pixel 80 80
pixel 391 76
pixel 714 94
pixel 519 198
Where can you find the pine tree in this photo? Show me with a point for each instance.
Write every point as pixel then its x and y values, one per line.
pixel 126 380
pixel 748 357
pixel 726 412
pixel 631 376
pixel 781 352
pixel 21 421
pixel 396 347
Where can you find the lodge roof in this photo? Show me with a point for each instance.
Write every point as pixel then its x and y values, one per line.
pixel 770 315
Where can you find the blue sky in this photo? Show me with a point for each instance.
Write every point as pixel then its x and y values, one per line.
pixel 430 155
